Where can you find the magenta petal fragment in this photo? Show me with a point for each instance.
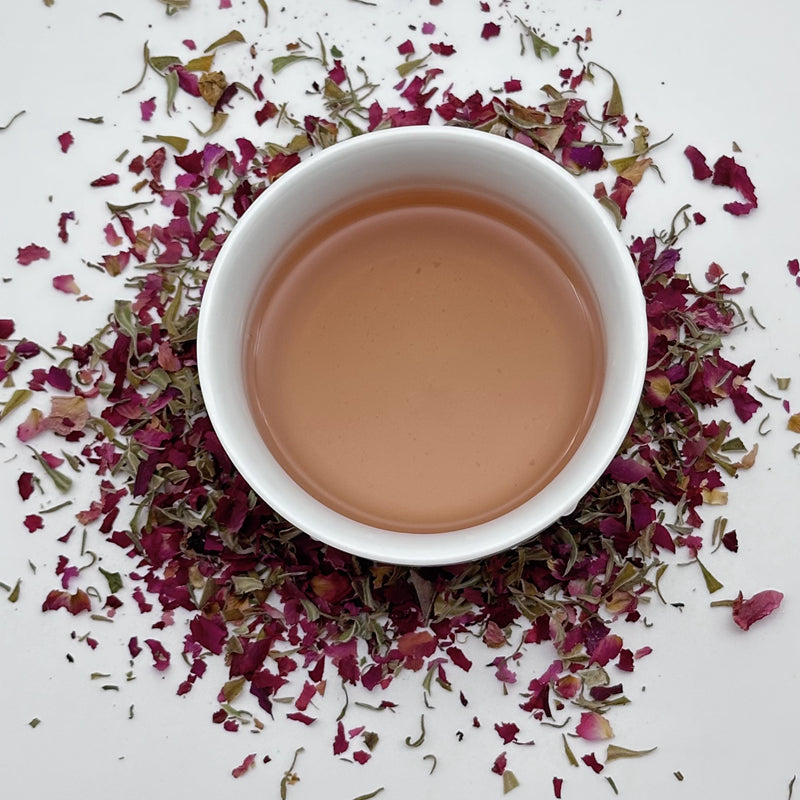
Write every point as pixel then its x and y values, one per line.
pixel 700 169
pixel 490 30
pixel 248 763
pixel 760 605
pixel 30 253
pixel 65 140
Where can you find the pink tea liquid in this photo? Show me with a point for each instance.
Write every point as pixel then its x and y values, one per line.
pixel 424 360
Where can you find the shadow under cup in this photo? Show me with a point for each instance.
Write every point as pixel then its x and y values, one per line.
pixel 371 379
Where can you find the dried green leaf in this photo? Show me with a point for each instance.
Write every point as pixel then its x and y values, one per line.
pixel 112 15
pixel 613 208
pixel 281 62
pixel 432 758
pixel 13 595
pixel 146 58
pixel 114 580
pixel 161 63
pixel 34 722
pixel 9 123
pixel 265 9
pixel 410 66
pixel 417 742
pixel 217 121
pixel 510 781
pixel 201 63
pixel 289 777
pixel 712 584
pixel 370 795
pixel 614 752
pixel 612 784
pixel 178 143
pixel 92 120
pixel 115 209
pixel 614 106
pixel 61 481
pixel 568 750
pixel 17 399
pixel 233 37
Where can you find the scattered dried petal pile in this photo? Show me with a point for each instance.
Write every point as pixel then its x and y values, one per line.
pixel 126 412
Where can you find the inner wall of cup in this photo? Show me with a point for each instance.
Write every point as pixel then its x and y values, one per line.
pixel 371 166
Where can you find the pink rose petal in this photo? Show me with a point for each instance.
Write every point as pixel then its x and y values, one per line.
pixel 30 253
pixel 760 605
pixel 66 284
pixel 594 727
pixel 147 107
pixel 247 764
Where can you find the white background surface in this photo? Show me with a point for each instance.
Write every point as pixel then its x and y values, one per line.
pixel 720 705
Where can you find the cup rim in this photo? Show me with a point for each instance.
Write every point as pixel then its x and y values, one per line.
pixel 322 523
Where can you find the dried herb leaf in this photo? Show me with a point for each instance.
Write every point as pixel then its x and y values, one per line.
pixel 417 742
pixel 13 595
pixel 281 62
pixel 11 121
pixel 432 758
pixel 265 9
pixel 614 752
pixel 201 63
pixel 712 584
pixel 178 143
pixel 18 398
pixel 410 66
pixel 370 795
pixel 233 37
pixel 61 481
pixel 114 580
pixel 510 781
pixel 568 750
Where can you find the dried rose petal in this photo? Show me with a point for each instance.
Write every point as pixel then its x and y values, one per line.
pixel 63 218
pixel 147 108
pixel 66 284
pixel 340 743
pixel 65 140
pixel 490 29
pixel 793 266
pixel 442 49
pixel 406 48
pixel 594 727
pixel 160 655
pixel 6 328
pixel 728 173
pixel 507 731
pixel 299 716
pixel 361 756
pixel 428 28
pixel 700 169
pixel 32 426
pixel 500 764
pixel 106 180
pixel 33 522
pixel 74 603
pixel 558 783
pixel 248 763
pixel 591 761
pixel 30 253
pixel 760 605
pixel 512 85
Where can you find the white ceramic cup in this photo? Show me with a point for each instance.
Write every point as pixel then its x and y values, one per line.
pixel 402 158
